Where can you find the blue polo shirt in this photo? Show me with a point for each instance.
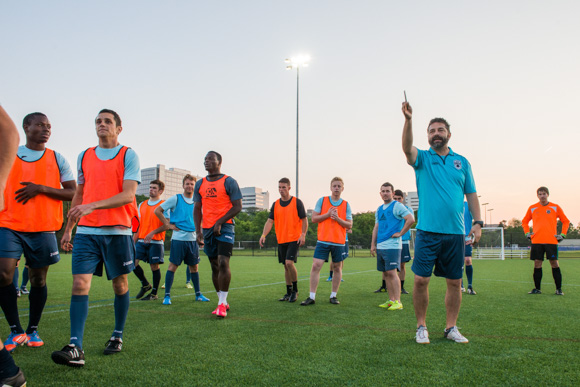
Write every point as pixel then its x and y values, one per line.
pixel 442 182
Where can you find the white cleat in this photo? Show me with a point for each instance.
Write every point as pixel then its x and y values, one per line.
pixel 422 336
pixel 453 334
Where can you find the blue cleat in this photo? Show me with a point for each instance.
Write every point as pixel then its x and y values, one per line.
pixel 14 340
pixel 329 279
pixel 167 300
pixel 201 297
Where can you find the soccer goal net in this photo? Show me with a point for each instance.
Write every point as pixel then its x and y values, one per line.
pixel 490 246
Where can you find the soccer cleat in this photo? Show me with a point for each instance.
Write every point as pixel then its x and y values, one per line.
pixel 462 289
pixel 188 285
pixel 14 340
pixel 285 297
pixel 221 310
pixel 387 304
pixel 329 279
pixel 471 291
pixel 381 290
pixel 334 300
pixel 453 334
pixel 308 301
pixel 18 293
pixel 559 292
pixel 535 291
pixel 24 291
pixel 163 286
pixel 202 298
pixel 403 291
pixel 342 280
pixel 17 380
pixel 422 335
pixel 70 355
pixel 33 340
pixel 216 309
pixel 396 305
pixel 114 345
pixel 144 289
pixel 293 297
pixel 150 297
pixel 167 300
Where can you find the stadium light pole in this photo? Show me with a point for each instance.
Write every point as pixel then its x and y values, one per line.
pixel 485 212
pixel 296 63
pixel 490 210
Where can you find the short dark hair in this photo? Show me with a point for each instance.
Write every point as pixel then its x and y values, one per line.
pixel 114 113
pixel 543 189
pixel 219 157
pixel 159 183
pixel 26 121
pixel 284 180
pixel 189 177
pixel 400 193
pixel 388 185
pixel 441 121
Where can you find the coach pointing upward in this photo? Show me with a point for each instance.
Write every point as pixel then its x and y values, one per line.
pixel 443 179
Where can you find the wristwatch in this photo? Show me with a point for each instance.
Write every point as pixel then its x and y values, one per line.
pixel 480 222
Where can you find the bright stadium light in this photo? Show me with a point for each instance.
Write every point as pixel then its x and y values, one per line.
pixel 485 212
pixel 297 62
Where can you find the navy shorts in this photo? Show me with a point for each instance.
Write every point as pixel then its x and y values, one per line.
pixel 288 252
pixel 388 259
pixel 184 251
pixel 468 250
pixel 405 253
pixel 39 248
pixel 338 253
pixel 222 244
pixel 151 253
pixel 539 249
pixel 445 252
pixel 90 252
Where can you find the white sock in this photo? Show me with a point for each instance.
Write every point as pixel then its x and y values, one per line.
pixel 313 295
pixel 332 294
pixel 224 298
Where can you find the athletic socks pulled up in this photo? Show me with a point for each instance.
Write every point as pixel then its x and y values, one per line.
pixel 538 278
pixel 121 311
pixel 195 280
pixel 79 310
pixel 469 274
pixel 169 276
pixel 557 274
pixel 295 286
pixel 141 275
pixel 156 280
pixel 37 298
pixel 9 304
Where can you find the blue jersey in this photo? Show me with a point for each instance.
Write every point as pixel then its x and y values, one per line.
pixel 181 215
pixel 407 236
pixel 468 218
pixel 391 219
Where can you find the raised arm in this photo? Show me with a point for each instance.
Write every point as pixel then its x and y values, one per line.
pixel 408 148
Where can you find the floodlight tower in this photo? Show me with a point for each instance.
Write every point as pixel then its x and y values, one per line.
pixel 490 210
pixel 296 63
pixel 485 212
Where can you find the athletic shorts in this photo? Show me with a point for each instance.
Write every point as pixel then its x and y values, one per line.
pixel 538 250
pixel 445 252
pixel 215 245
pixel 150 253
pixel 288 252
pixel 405 253
pixel 184 251
pixel 388 259
pixel 338 253
pixel 90 252
pixel 468 250
pixel 39 248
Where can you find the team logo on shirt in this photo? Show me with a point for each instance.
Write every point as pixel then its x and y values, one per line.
pixel 457 164
pixel 211 193
pixel 548 212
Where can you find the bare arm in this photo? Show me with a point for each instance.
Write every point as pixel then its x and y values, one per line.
pixel 197 216
pixel 374 239
pixel 473 205
pixel 30 190
pixel 408 148
pixel 317 217
pixel 65 241
pixel 8 149
pixel 166 225
pixel 409 220
pixel 266 231
pixel 302 239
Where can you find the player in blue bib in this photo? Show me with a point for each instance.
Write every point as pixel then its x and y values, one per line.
pixel 406 239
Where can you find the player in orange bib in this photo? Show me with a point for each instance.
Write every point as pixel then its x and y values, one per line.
pixel 545 237
pixel 40 180
pixel 288 216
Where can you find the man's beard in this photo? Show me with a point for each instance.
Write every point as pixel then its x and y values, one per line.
pixel 434 145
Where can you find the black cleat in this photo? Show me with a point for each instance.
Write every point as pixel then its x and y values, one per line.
pixel 308 301
pixel 150 297
pixel 535 291
pixel 403 291
pixel 334 301
pixel 293 297
pixel 381 290
pixel 113 346
pixel 285 297
pixel 471 291
pixel 559 292
pixel 144 289
pixel 17 380
pixel 70 355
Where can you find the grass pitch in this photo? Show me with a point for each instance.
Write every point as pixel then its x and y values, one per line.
pixel 515 338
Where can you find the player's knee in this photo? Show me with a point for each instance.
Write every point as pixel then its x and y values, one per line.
pixel 193 268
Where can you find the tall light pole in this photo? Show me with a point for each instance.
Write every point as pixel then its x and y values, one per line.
pixel 490 210
pixel 485 212
pixel 295 63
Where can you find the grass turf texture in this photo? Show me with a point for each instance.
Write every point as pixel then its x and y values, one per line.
pixel 515 338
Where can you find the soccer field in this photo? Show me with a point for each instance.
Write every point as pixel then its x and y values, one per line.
pixel 515 338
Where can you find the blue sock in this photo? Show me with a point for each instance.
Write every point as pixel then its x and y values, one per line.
pixel 195 280
pixel 121 311
pixel 469 274
pixel 15 278
pixel 79 310
pixel 7 367
pixel 187 274
pixel 168 282
pixel 24 277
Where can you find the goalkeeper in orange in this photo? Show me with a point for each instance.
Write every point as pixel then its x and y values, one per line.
pixel 545 237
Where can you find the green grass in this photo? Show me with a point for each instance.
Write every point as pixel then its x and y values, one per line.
pixel 515 338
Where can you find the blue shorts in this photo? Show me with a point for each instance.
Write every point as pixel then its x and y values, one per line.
pixel 39 248
pixel 90 252
pixel 445 252
pixel 151 253
pixel 338 253
pixel 388 259
pixel 222 244
pixel 468 250
pixel 184 251
pixel 405 253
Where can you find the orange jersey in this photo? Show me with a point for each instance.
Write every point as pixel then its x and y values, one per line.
pixel 545 222
pixel 329 230
pixel 215 201
pixel 286 222
pixel 104 179
pixel 41 213
pixel 149 221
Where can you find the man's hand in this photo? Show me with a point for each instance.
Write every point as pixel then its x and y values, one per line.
pixel 529 236
pixel 468 241
pixel 79 211
pixel 217 229
pixel 65 242
pixel 302 240
pixel 148 238
pixel 200 239
pixel 262 240
pixel 30 190
pixel 560 237
pixel 373 250
pixel 407 111
pixel 475 233
pixel 173 227
pixel 333 213
pixel 396 235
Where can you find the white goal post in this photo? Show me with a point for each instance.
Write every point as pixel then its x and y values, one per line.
pixel 490 246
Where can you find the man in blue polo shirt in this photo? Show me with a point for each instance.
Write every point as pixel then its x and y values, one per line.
pixel 443 179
